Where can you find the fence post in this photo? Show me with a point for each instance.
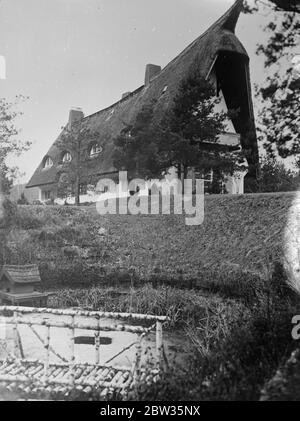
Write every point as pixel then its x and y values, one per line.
pixel 46 346
pixel 97 342
pixel 137 364
pixel 72 359
pixel 15 335
pixel 159 341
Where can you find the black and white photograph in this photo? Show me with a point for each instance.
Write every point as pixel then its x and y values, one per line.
pixel 150 204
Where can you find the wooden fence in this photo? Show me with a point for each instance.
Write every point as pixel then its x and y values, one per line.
pixel 34 375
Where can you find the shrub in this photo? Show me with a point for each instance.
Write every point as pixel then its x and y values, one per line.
pixel 184 308
pixel 26 219
pixel 8 212
pixel 22 200
pixel 69 274
pixel 237 366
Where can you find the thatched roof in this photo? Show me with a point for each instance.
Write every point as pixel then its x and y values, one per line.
pixel 27 274
pixel 201 53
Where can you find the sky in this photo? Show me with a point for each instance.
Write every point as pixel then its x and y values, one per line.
pixel 86 53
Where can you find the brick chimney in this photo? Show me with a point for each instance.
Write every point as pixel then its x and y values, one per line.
pixel 75 114
pixel 151 71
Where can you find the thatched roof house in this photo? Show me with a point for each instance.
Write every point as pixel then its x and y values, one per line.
pixel 217 53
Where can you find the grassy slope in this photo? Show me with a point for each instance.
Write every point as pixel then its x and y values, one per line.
pixel 246 339
pixel 238 233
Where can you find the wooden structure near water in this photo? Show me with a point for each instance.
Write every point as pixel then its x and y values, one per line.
pixel 33 377
pixel 18 283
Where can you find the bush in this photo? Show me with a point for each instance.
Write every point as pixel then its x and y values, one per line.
pixel 22 200
pixel 238 364
pixel 74 274
pixel 26 219
pixel 8 212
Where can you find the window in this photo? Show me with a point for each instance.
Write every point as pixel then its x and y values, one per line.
pixel 95 150
pixel 67 157
pixel 213 182
pixel 104 189
pixel 83 188
pixel 208 176
pixel 47 195
pixel 164 90
pixel 47 162
pixel 133 192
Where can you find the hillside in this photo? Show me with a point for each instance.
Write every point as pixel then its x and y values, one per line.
pixel 239 233
pixel 231 335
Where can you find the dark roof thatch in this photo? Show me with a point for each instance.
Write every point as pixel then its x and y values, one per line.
pixel 110 121
pixel 27 274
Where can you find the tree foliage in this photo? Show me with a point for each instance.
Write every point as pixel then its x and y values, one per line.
pixel 23 200
pixel 76 140
pixel 9 141
pixel 273 176
pixel 277 5
pixel 137 147
pixel 279 94
pixel 185 136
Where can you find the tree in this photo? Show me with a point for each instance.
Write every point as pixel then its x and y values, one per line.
pixel 9 142
pixel 273 176
pixel 280 112
pixel 186 136
pixel 196 127
pixel 22 200
pixel 76 140
pixel 278 5
pixel 137 148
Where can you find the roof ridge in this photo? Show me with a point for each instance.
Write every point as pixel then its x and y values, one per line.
pixel 236 7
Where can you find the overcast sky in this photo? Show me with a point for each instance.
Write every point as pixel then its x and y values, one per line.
pixel 86 53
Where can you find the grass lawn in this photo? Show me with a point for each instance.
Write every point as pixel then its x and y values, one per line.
pixel 77 246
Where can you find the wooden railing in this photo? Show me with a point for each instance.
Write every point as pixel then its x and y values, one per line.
pixel 17 316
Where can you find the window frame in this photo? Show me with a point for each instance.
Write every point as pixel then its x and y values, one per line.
pixel 64 160
pixel 47 194
pixel 97 148
pixel 47 163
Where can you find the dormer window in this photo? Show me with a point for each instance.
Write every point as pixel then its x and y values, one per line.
pixel 67 157
pixel 164 91
pixel 47 162
pixel 95 150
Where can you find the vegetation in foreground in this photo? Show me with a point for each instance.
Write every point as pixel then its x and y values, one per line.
pixel 76 247
pixel 233 346
pixel 236 322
